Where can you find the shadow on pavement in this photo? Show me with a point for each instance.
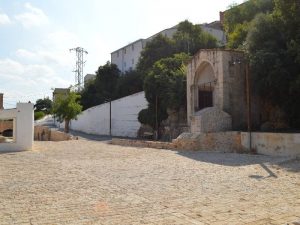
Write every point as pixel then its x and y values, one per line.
pixel 92 137
pixel 232 159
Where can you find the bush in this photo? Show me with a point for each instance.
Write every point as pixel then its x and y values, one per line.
pixel 38 115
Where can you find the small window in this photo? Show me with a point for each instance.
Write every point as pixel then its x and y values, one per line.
pixel 124 50
pixel 117 53
pixel 124 64
pixel 132 47
pixel 132 61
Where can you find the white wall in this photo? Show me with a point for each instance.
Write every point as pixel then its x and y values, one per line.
pixel 275 144
pixel 124 117
pixel 23 127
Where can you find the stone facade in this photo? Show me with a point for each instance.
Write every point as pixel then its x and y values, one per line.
pixel 205 120
pixel 42 133
pixel 216 142
pixel 220 75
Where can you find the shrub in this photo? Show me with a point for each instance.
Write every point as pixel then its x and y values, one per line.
pixel 38 115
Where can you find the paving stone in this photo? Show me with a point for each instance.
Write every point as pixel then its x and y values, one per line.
pixel 90 182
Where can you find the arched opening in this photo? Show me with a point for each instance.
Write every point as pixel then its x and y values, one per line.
pixel 205 86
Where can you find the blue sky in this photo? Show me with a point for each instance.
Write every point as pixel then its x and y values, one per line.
pixel 35 36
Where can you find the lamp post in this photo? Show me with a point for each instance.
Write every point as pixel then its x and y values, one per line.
pixel 248 105
pixel 109 101
pixel 248 98
pixel 156 120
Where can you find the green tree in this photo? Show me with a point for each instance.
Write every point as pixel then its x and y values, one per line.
pixel 43 105
pixel 159 47
pixel 190 38
pixel 129 83
pixel 273 46
pixel 165 87
pixel 237 20
pixel 66 108
pixel 103 88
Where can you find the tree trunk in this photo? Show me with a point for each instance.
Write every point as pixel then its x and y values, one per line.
pixel 67 124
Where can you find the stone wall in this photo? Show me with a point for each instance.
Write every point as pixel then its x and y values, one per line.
pixel 211 119
pixel 221 142
pixel 142 143
pixel 272 144
pixel 275 144
pixel 42 133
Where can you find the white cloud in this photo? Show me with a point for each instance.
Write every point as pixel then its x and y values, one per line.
pixel 48 57
pixel 33 17
pixel 28 82
pixel 4 19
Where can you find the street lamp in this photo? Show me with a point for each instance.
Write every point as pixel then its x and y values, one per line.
pixel 248 96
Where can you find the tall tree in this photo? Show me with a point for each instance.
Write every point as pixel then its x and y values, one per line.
pixel 238 18
pixel 189 38
pixel 159 47
pixel 165 87
pixel 103 88
pixel 274 49
pixel 67 108
pixel 43 105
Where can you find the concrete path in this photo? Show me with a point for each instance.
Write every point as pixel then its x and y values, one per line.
pixel 90 182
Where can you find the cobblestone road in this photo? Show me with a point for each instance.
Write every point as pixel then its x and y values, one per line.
pixel 89 182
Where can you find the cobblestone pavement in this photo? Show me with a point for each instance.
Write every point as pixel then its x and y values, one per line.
pixel 89 182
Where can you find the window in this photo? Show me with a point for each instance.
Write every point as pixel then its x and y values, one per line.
pixel 124 64
pixel 124 50
pixel 132 61
pixel 117 53
pixel 132 47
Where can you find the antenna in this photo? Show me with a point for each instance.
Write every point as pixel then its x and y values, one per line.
pixel 79 67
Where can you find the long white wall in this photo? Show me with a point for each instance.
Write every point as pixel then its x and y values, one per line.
pixel 124 117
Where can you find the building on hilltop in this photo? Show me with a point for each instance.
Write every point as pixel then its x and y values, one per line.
pixel 60 92
pixel 126 58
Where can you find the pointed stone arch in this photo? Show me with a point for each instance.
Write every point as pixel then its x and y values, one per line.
pixel 215 81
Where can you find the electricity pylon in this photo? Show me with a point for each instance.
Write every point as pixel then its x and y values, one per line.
pixel 79 67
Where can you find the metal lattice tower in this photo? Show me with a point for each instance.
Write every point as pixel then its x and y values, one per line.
pixel 79 67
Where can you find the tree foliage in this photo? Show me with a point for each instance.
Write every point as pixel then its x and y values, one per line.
pixel 66 108
pixel 237 20
pixel 274 49
pixel 109 85
pixel 129 83
pixel 159 47
pixel 43 105
pixel 269 32
pixel 190 38
pixel 103 88
pixel 165 87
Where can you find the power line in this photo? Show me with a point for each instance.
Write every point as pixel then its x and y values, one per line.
pixel 79 67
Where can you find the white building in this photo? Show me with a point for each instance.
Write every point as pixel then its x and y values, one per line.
pixel 127 57
pixel 22 119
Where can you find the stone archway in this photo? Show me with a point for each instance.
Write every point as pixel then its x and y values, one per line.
pixel 215 91
pixel 204 87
